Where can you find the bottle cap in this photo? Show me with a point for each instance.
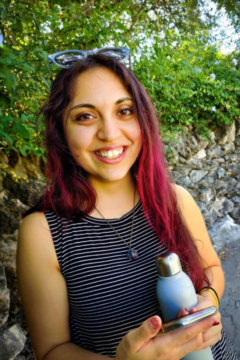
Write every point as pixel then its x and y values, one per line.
pixel 168 264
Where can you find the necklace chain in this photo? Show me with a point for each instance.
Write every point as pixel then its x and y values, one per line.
pixel 132 254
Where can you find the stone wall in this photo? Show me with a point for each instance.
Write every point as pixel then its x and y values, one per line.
pixel 209 170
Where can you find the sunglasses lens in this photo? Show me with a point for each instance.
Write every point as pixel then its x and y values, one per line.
pixel 68 59
pixel 119 54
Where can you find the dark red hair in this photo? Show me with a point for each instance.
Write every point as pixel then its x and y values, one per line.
pixel 69 193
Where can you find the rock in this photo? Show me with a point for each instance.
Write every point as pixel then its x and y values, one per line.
pixel 222 207
pixel 228 135
pixel 203 143
pixel 3 159
pixel 32 164
pixel 11 212
pixel 210 218
pixel 204 184
pixel 220 160
pixel 182 172
pixel 184 181
pixel 28 192
pixel 174 175
pixel 237 125
pixel 197 175
pixel 8 249
pixel 4 195
pixel 201 154
pixel 212 136
pixel 206 195
pixel 220 184
pixel 236 199
pixel 228 148
pixel 12 342
pixel 235 214
pixel 4 297
pixel 185 152
pixel 233 169
pixel 237 140
pixel 195 164
pixel 220 172
pixel 231 157
pixel 182 160
pixel 224 232
pixel 215 152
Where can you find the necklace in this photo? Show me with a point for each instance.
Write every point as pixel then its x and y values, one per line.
pixel 132 254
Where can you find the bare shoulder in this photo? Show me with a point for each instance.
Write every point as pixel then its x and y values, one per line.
pixel 35 221
pixel 35 238
pixel 184 199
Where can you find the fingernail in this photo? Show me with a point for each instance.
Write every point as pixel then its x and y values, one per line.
pixel 215 323
pixel 186 309
pixel 154 323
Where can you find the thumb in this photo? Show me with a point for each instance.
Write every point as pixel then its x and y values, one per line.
pixel 146 332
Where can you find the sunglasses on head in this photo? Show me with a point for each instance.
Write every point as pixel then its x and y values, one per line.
pixel 66 59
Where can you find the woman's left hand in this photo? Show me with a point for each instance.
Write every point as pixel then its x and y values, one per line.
pixel 214 333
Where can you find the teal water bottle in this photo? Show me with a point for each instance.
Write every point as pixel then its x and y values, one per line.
pixel 175 291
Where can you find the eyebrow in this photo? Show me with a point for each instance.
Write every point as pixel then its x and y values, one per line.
pixel 94 107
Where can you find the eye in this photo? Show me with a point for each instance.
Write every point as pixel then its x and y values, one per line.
pixel 126 111
pixel 84 117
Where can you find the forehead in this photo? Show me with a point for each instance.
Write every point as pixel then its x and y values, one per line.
pixel 98 83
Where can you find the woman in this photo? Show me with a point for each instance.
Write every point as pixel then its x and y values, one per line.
pixel 86 252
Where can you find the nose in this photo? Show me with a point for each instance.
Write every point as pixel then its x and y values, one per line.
pixel 109 129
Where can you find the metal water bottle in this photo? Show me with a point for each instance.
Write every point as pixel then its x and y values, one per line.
pixel 175 291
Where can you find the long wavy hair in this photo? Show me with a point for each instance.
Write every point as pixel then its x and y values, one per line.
pixel 68 191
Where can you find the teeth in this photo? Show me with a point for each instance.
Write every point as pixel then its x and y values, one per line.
pixel 111 154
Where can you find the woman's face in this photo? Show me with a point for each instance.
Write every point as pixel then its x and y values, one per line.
pixel 101 127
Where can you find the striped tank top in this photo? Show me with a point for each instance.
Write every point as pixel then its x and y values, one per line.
pixel 108 294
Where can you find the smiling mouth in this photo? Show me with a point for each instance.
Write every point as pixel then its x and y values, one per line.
pixel 110 154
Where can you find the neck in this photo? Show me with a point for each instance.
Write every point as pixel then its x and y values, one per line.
pixel 115 199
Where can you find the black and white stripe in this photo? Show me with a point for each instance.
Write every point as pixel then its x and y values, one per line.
pixel 109 295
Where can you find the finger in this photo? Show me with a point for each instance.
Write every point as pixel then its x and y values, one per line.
pixel 194 309
pixel 183 312
pixel 183 336
pixel 211 336
pixel 197 342
pixel 139 337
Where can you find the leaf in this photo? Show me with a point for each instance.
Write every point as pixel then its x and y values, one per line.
pixel 23 151
pixel 45 81
pixel 120 26
pixel 21 130
pixel 6 136
pixel 27 67
pixel 8 78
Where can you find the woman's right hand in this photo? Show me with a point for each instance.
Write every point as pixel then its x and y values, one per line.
pixel 142 343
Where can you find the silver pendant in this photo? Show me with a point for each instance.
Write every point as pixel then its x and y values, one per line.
pixel 132 254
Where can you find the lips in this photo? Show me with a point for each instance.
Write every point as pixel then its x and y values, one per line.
pixel 110 154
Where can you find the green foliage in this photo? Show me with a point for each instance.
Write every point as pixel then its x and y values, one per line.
pixel 190 83
pixel 168 68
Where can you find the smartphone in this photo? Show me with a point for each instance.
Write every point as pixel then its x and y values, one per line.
pixel 187 320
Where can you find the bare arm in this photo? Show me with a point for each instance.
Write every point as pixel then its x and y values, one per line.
pixel 196 225
pixel 44 294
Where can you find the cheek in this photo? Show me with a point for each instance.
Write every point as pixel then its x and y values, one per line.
pixel 77 140
pixel 138 136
